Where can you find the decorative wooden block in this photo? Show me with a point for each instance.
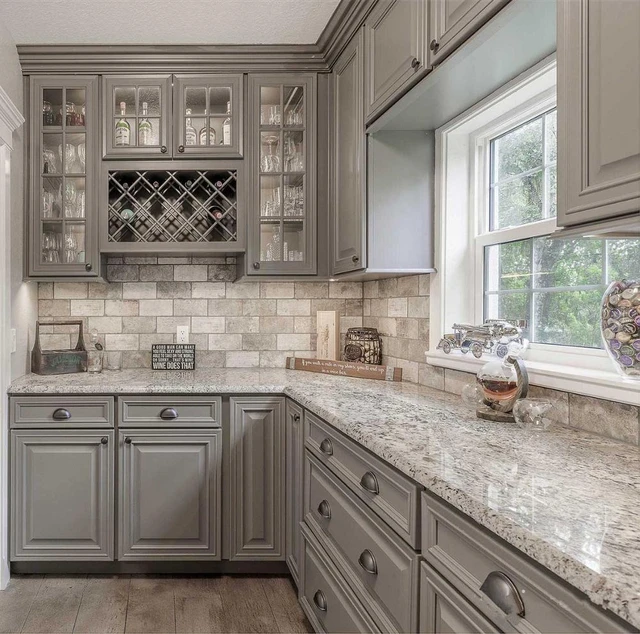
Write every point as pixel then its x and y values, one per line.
pixel 328 324
pixel 345 368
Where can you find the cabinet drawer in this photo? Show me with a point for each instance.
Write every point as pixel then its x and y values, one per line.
pixel 62 411
pixel 382 569
pixel 466 554
pixel 395 498
pixel 149 411
pixel 324 594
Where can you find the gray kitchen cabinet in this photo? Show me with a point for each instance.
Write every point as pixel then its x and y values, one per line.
pixel 451 22
pixel 444 610
pixel 282 175
pixel 294 458
pixel 62 495
pixel 395 36
pixel 208 100
pixel 137 114
pixel 598 111
pixel 348 206
pixel 62 203
pixel 170 492
pixel 257 479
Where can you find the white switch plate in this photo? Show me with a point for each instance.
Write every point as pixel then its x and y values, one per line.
pixel 183 334
pixel 14 340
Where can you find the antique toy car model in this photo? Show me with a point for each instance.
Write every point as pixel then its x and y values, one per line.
pixel 494 335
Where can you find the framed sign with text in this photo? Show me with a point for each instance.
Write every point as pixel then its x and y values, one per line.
pixel 173 356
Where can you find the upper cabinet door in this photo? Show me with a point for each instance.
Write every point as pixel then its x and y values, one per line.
pixel 348 211
pixel 136 116
pixel 207 120
pixel 451 22
pixel 63 181
pixel 598 110
pixel 395 50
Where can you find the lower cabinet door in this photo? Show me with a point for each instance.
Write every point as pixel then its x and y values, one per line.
pixel 169 494
pixel 444 609
pixel 256 479
pixel 294 472
pixel 62 495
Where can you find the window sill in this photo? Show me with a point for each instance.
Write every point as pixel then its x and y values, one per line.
pixel 587 381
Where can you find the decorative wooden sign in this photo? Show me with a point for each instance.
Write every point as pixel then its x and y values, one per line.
pixel 328 325
pixel 173 356
pixel 345 368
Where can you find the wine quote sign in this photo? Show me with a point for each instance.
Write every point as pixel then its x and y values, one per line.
pixel 173 356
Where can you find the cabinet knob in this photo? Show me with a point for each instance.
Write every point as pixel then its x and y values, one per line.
pixel 503 592
pixel 415 62
pixel 355 259
pixel 163 149
pixel 324 509
pixel 368 562
pixel 296 418
pixel 61 414
pixel 104 440
pixel 369 482
pixel 181 149
pixel 434 46
pixel 256 265
pixel 320 601
pixel 88 266
pixel 326 447
pixel 127 440
pixel 169 413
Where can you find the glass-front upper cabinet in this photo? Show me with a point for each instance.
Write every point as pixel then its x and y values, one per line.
pixel 137 116
pixel 207 115
pixel 282 231
pixel 63 181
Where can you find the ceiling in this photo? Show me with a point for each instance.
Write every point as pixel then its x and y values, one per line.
pixel 166 21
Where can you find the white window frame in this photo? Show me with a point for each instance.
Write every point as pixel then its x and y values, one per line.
pixel 461 233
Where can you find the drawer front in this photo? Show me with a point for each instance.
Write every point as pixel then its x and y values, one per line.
pixel 395 498
pixel 179 411
pixel 468 557
pixel 62 411
pixel 372 556
pixel 324 594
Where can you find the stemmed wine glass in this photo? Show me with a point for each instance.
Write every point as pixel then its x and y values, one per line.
pixel 270 162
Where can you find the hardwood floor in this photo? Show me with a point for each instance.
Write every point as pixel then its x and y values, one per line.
pixel 147 604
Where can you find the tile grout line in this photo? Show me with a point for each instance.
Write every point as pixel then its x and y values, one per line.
pixel 32 602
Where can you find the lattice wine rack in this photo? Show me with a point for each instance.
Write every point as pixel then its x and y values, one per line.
pixel 173 206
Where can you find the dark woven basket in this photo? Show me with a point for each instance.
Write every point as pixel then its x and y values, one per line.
pixel 363 345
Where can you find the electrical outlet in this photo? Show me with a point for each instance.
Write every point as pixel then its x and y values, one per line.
pixel 14 340
pixel 183 334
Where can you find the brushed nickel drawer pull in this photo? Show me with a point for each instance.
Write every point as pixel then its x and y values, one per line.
pixel 326 447
pixel 320 600
pixel 503 592
pixel 369 482
pixel 61 414
pixel 168 413
pixel 368 562
pixel 324 509
pixel 104 440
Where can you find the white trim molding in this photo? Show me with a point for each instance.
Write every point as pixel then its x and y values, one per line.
pixel 10 119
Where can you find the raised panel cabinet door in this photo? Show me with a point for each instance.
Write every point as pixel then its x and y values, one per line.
pixel 207 115
pixel 451 22
pixel 444 610
pixel 348 210
pixel 294 448
pixel 63 177
pixel 395 34
pixel 62 495
pixel 598 110
pixel 257 479
pixel 169 494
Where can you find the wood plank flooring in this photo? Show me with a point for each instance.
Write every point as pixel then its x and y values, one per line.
pixel 150 604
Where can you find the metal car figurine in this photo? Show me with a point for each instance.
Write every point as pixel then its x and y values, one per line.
pixel 493 336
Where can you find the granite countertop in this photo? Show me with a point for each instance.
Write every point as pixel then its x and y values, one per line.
pixel 568 499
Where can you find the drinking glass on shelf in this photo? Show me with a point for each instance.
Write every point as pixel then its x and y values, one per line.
pixel 72 117
pixel 70 252
pixel 69 198
pixel 72 163
pixel 271 161
pixel 271 205
pixel 49 162
pixel 82 156
pixel 79 207
pixel 51 247
pixel 47 204
pixel 47 114
pixel 294 117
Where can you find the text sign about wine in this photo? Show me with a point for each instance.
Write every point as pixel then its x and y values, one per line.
pixel 173 356
pixel 345 368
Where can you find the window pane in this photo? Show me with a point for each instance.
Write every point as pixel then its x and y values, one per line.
pixel 552 192
pixel 508 266
pixel 551 137
pixel 623 260
pixel 512 307
pixel 561 263
pixel 518 202
pixel 518 151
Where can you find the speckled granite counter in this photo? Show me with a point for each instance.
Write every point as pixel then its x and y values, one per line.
pixel 569 500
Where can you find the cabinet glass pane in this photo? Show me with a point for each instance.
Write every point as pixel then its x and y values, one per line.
pixel 270 241
pixel 270 196
pixel 73 247
pixel 75 107
pixel 124 132
pixel 75 154
pixel 51 153
pixel 294 106
pixel 219 100
pixel 294 151
pixel 222 126
pixel 124 95
pixel 149 95
pixel 196 100
pixel 74 197
pixel 52 107
pixel 294 195
pixel 148 131
pixel 270 107
pixel 270 152
pixel 51 242
pixel 293 246
pixel 51 197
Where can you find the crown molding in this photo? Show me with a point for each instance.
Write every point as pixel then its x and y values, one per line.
pixel 92 59
pixel 10 118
